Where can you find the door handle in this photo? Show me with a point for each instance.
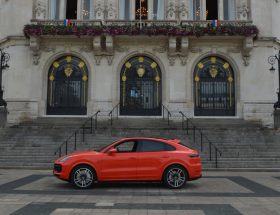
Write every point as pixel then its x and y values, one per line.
pixel 165 157
pixel 132 158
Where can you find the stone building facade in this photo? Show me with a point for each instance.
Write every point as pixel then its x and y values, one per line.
pixel 140 55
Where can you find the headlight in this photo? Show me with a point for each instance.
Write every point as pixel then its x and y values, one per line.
pixel 65 158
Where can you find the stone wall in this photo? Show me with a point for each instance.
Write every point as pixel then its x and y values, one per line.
pixel 3 117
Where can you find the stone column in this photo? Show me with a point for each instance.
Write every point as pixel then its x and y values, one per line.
pixel 80 9
pixel 221 9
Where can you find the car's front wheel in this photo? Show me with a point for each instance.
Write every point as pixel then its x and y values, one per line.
pixel 83 176
pixel 175 177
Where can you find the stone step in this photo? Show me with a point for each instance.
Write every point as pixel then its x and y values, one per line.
pixel 242 143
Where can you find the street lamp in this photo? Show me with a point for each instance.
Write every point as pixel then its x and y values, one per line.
pixel 4 58
pixel 271 61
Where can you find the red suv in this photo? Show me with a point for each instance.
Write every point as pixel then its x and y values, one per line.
pixel 132 159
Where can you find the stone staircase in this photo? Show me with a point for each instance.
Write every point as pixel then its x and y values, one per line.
pixel 243 144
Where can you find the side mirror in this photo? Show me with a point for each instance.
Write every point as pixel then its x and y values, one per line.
pixel 112 151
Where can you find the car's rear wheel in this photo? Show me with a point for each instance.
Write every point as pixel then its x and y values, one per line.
pixel 175 177
pixel 83 176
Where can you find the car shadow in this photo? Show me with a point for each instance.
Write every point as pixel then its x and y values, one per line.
pixel 124 186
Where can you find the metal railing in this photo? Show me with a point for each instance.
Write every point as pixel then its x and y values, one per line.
pixel 116 110
pixel 60 22
pixel 205 23
pixel 148 23
pixel 189 125
pixel 89 124
pixel 165 109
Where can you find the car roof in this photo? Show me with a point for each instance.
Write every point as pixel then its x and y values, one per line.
pixel 152 138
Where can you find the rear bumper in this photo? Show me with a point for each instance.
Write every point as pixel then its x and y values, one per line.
pixel 195 171
pixel 195 178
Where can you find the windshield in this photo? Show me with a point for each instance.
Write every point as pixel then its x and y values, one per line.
pixel 103 147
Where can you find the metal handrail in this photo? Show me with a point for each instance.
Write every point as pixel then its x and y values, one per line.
pixel 186 120
pixel 82 128
pixel 116 22
pixel 116 107
pixel 168 114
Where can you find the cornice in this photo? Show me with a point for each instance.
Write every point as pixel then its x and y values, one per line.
pixel 13 40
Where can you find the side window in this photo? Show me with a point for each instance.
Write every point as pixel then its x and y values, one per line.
pixel 154 146
pixel 128 146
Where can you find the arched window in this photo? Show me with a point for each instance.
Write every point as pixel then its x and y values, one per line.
pixel 214 88
pixel 140 87
pixel 67 87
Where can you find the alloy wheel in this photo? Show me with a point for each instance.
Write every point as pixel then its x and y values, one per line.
pixel 83 177
pixel 176 177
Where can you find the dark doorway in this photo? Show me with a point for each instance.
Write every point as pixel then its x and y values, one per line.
pixel 71 9
pixel 214 88
pixel 141 9
pixel 211 9
pixel 140 88
pixel 67 87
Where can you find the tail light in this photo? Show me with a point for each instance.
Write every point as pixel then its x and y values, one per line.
pixel 194 155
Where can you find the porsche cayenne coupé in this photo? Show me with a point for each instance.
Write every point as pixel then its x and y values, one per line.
pixel 132 159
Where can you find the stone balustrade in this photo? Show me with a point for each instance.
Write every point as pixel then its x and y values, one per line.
pixel 202 23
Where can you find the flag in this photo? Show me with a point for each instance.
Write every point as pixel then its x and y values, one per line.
pixel 215 23
pixel 67 22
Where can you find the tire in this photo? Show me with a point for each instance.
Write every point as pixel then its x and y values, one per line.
pixel 83 176
pixel 175 177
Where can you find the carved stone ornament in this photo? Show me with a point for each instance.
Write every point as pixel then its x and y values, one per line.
pixel 183 60
pixel 248 45
pixel 36 59
pixel 99 9
pixel 103 46
pixel 97 59
pixel 178 48
pixel 243 10
pixel 40 9
pixel 171 60
pixel 246 60
pixel 106 9
pixel 111 9
pixel 183 10
pixel 171 10
pixel 34 44
pixel 110 60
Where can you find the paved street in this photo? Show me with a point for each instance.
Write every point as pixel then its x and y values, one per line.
pixel 36 192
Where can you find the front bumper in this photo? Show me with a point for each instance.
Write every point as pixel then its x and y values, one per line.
pixel 60 172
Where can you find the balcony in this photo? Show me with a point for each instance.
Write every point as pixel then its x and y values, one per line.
pixel 91 28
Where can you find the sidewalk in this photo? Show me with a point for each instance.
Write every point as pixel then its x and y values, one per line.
pixel 28 192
